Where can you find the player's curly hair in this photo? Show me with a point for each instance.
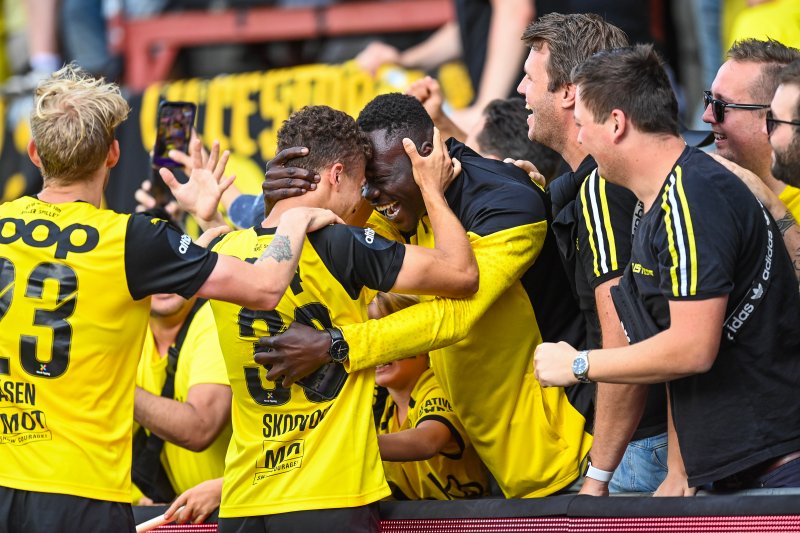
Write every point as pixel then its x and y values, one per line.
pixel 400 115
pixel 330 135
pixel 73 123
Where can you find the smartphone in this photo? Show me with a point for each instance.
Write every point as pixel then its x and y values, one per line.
pixel 173 131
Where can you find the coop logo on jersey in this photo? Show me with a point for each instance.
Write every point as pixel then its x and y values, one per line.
pixel 369 235
pixel 41 233
pixel 22 426
pixel 278 457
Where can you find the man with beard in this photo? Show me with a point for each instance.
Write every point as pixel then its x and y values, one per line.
pixel 706 272
pixel 783 118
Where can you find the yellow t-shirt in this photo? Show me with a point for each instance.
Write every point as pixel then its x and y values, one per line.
pixel 455 473
pixel 777 19
pixel 74 281
pixel 790 196
pixel 293 451
pixel 530 438
pixel 200 362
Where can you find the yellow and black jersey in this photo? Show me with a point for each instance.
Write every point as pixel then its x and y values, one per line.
pixel 453 474
pixel 790 196
pixel 73 316
pixel 706 236
pixel 200 362
pixel 291 449
pixel 531 439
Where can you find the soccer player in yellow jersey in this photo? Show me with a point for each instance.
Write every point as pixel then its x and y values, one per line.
pixel 305 458
pixel 75 282
pixel 532 440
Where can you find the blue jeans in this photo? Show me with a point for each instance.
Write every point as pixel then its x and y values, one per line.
pixel 643 467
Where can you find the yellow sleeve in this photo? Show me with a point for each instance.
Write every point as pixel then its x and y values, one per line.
pixel 503 258
pixel 207 364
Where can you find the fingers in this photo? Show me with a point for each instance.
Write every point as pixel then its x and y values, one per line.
pixel 181 158
pixel 213 157
pixel 143 198
pixel 210 234
pixel 287 154
pixel 169 178
pixel 194 151
pixel 177 504
pixel 219 168
pixel 226 182
pixel 291 186
pixel 456 167
pixel 411 150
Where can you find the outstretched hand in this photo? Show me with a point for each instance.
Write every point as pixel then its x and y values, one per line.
pixel 294 354
pixel 436 171
pixel 200 195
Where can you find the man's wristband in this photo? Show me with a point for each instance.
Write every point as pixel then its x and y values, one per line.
pixel 603 476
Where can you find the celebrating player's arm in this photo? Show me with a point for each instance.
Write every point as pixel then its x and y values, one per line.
pixel 445 321
pixel 261 285
pixel 449 269
pixel 257 286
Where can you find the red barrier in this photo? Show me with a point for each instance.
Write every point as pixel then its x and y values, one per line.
pixel 151 45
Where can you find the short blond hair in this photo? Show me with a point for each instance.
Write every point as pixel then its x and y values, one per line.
pixel 73 123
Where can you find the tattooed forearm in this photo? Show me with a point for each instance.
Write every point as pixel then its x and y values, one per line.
pixel 785 222
pixel 280 249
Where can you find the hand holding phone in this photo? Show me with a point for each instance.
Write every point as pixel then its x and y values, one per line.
pixel 173 131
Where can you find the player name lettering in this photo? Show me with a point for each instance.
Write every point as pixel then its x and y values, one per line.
pixel 277 424
pixel 17 392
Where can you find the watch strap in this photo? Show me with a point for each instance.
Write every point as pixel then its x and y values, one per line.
pixel 603 476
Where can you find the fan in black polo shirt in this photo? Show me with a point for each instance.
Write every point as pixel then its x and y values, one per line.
pixel 705 250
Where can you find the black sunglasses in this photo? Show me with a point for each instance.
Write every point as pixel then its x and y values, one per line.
pixel 718 106
pixel 772 123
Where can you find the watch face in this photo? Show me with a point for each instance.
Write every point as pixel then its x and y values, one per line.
pixel 579 366
pixel 339 350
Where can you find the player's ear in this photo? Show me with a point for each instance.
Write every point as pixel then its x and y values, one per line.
pixel 336 174
pixel 113 154
pixel 33 154
pixel 426 149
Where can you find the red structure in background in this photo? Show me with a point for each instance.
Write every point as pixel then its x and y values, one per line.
pixel 151 45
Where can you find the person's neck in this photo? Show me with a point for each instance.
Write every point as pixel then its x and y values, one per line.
pixel 649 161
pixel 89 190
pixel 401 397
pixel 165 329
pixel 574 154
pixel 280 207
pixel 774 184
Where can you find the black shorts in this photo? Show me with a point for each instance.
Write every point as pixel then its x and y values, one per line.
pixel 364 519
pixel 35 512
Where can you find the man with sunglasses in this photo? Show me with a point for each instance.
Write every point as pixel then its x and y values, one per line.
pixel 736 106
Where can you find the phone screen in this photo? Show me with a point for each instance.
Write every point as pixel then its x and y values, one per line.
pixel 174 129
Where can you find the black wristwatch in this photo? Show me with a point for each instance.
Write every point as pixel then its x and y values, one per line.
pixel 339 349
